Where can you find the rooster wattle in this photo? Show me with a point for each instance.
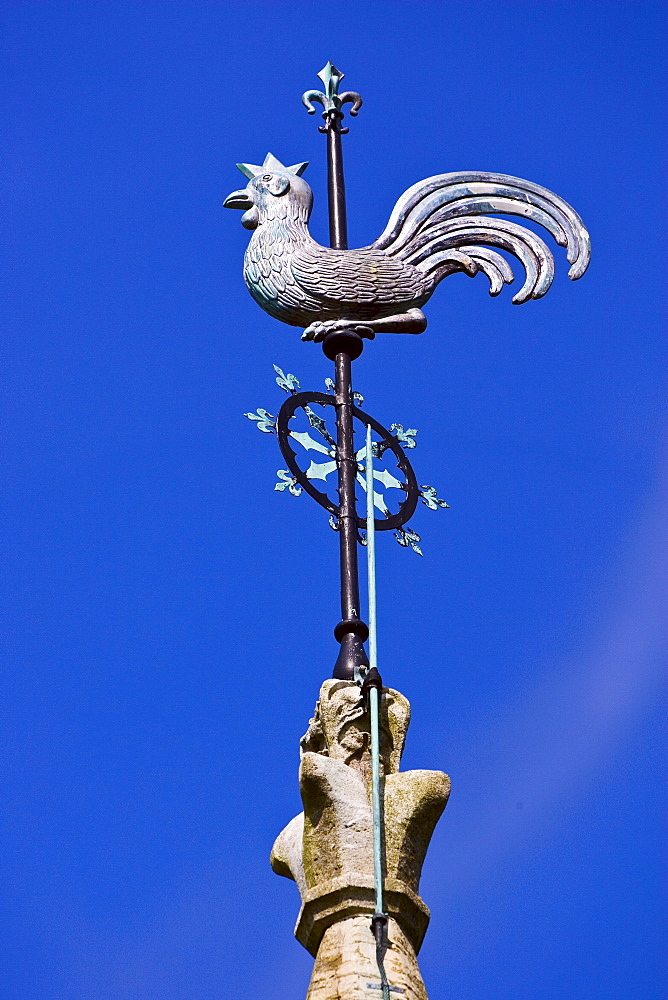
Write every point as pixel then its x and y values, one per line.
pixel 439 226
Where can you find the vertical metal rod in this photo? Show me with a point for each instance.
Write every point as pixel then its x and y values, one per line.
pixel 343 348
pixel 336 186
pixel 338 238
pixel 347 462
pixel 351 630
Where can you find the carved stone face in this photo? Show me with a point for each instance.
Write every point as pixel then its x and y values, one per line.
pixel 345 722
pixel 340 727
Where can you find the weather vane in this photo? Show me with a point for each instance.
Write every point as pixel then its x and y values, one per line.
pixel 357 849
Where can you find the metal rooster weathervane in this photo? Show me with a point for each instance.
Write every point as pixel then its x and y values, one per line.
pixel 340 297
pixel 442 225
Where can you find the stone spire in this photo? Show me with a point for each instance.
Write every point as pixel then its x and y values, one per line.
pixel 328 849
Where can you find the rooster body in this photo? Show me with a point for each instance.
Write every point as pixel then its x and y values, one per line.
pixel 438 227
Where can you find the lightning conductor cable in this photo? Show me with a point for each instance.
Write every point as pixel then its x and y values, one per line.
pixel 373 685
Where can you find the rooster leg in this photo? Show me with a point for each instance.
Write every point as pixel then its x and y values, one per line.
pixel 412 321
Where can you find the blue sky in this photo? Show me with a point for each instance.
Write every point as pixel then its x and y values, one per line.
pixel 168 615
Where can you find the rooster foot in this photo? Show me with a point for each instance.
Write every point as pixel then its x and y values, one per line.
pixel 318 331
pixel 412 321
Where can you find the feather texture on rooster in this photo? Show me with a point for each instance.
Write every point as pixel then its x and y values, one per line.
pixel 442 225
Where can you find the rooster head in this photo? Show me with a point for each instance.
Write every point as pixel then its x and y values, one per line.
pixel 273 192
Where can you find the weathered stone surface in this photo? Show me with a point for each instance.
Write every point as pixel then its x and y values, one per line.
pixel 286 854
pixel 340 728
pixel 337 820
pixel 332 901
pixel 328 850
pixel 346 967
pixel 414 802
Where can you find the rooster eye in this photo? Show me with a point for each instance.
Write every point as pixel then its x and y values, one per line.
pixel 266 177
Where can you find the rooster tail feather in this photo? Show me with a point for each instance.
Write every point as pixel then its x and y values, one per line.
pixel 447 261
pixel 494 265
pixel 468 233
pixel 444 211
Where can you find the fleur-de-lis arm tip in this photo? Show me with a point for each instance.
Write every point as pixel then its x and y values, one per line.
pixel 408 538
pixel 352 97
pixel 430 498
pixel 309 96
pixel 287 482
pixel 289 383
pixel 406 438
pixel 264 421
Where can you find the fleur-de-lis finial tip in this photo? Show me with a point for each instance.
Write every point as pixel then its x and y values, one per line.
pixel 331 100
pixel 331 77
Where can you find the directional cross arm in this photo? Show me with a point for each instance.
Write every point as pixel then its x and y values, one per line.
pixel 307 442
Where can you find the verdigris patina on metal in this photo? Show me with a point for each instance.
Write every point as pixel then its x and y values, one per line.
pixel 332 102
pixel 357 850
pixel 318 438
pixel 442 225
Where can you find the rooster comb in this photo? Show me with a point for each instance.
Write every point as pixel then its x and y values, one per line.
pixel 271 163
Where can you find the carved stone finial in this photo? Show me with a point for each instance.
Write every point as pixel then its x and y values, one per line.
pixel 328 849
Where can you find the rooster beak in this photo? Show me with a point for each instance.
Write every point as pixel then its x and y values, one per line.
pixel 238 199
